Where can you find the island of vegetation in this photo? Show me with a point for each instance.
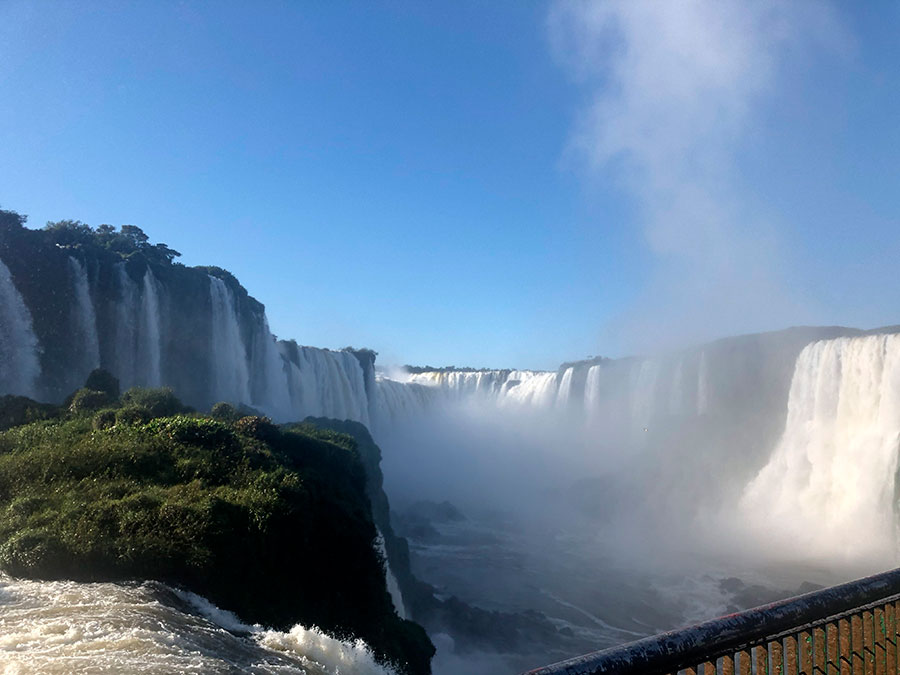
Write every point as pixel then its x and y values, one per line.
pixel 272 523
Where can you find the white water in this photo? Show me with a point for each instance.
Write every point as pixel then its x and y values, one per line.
pixel 231 378
pixel 268 379
pixel 126 329
pixel 138 331
pixel 326 383
pixel 70 627
pixel 19 364
pixel 389 578
pixel 500 387
pixel 149 335
pixel 829 488
pixel 565 389
pixel 84 321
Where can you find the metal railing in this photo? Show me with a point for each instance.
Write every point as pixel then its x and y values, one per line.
pixel 851 629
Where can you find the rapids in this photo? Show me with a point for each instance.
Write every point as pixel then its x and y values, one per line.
pixel 66 626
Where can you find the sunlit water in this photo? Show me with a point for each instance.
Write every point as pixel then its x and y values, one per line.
pixel 70 627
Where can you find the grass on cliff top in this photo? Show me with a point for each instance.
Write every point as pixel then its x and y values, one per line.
pixel 272 524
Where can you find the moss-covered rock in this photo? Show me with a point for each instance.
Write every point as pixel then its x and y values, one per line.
pixel 87 401
pixel 103 380
pixel 273 525
pixel 16 410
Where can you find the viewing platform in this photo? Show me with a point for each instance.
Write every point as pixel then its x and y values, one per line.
pixel 850 629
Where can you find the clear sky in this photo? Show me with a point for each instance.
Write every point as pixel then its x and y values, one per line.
pixel 479 183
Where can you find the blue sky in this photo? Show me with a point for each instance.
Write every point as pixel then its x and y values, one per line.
pixel 471 183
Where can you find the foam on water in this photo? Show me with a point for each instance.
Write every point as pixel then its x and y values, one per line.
pixel 70 627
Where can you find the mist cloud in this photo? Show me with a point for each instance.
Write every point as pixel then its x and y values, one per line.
pixel 673 90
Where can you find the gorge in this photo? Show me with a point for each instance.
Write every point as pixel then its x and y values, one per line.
pixel 774 449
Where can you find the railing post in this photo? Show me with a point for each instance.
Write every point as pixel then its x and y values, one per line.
pixel 880 635
pixel 831 644
pixel 777 654
pixel 890 656
pixel 744 662
pixel 846 646
pixel 728 664
pixel 806 651
pixel 790 654
pixel 859 647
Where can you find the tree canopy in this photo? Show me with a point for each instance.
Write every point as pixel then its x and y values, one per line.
pixel 127 241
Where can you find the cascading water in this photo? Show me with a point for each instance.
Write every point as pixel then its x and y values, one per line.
pixel 325 383
pixel 138 331
pixel 19 363
pixel 231 377
pixel 389 578
pixel 829 488
pixel 84 320
pixel 399 401
pixel 703 385
pixel 268 375
pixel 518 387
pixel 642 395
pixel 126 329
pixel 565 389
pixel 149 334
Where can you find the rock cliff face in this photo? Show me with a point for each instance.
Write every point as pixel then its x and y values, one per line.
pixel 73 299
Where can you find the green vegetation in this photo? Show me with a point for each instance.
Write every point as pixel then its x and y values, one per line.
pixel 273 524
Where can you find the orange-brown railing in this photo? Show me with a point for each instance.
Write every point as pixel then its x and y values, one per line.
pixel 851 629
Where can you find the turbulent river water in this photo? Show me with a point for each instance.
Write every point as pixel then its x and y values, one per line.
pixel 69 627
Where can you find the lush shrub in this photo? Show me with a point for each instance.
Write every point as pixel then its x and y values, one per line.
pixel 235 512
pixel 224 411
pixel 200 431
pixel 133 414
pixel 257 427
pixel 159 402
pixel 16 410
pixel 103 380
pixel 104 419
pixel 88 400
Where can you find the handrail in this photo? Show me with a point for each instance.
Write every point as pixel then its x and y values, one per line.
pixel 805 615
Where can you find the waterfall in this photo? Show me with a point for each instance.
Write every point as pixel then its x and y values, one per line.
pixel 399 401
pixel 676 390
pixel 268 375
pixel 149 334
pixel 644 379
pixel 389 578
pixel 138 331
pixel 126 329
pixel 703 385
pixel 231 376
pixel 829 486
pixel 592 390
pixel 84 320
pixel 326 383
pixel 502 387
pixel 19 364
pixel 565 389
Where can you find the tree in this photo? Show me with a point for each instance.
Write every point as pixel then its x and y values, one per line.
pixel 136 235
pixel 69 232
pixel 10 221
